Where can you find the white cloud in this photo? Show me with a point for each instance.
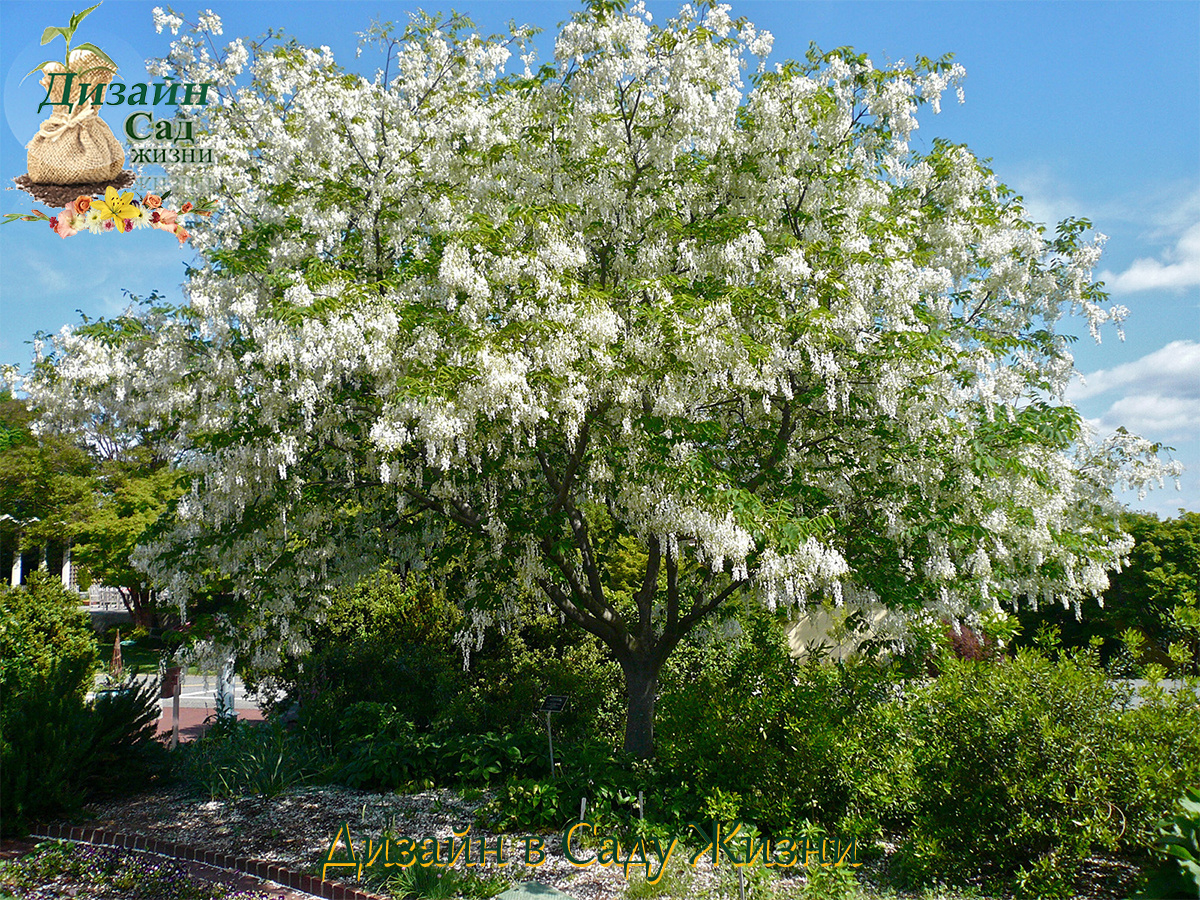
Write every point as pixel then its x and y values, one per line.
pixel 1163 215
pixel 1168 418
pixel 1173 371
pixel 1158 397
pixel 1045 197
pixel 1170 212
pixel 47 276
pixel 1179 268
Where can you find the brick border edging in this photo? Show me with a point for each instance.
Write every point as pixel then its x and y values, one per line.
pixel 308 884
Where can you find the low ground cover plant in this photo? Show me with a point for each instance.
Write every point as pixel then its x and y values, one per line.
pixel 82 871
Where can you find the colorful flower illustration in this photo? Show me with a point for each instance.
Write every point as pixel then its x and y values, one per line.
pixel 114 205
pixel 64 224
pixel 116 211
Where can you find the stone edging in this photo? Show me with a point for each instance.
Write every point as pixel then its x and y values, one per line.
pixel 308 884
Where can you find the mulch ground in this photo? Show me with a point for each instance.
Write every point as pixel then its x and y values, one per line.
pixel 59 195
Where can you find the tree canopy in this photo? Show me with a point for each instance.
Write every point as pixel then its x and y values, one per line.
pixel 639 330
pixel 1151 608
pixel 43 480
pixel 92 490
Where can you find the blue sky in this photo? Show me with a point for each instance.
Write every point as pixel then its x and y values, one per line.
pixel 1086 109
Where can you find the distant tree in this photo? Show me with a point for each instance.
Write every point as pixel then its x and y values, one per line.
pixel 101 495
pixel 1154 596
pixel 45 480
pixel 131 495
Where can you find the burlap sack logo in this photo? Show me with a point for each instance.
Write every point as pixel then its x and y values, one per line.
pixel 74 148
pixel 76 162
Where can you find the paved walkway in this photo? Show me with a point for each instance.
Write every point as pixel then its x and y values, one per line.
pixel 194 720
pixel 198 705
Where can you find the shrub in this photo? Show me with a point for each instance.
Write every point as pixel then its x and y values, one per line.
pixel 386 640
pixel 235 758
pixel 47 659
pixel 607 779
pixel 745 730
pixel 40 626
pixel 1178 841
pixel 55 748
pixel 387 752
pixel 1009 767
pixel 383 750
pixel 1153 755
pixel 124 753
pixel 384 684
pixel 512 673
pixel 530 803
pixel 43 746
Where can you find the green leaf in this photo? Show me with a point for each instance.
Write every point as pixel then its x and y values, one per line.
pixel 36 216
pixel 1178 851
pixel 49 33
pixel 38 67
pixel 79 17
pixel 100 53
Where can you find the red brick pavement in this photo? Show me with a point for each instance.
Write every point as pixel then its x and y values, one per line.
pixel 194 720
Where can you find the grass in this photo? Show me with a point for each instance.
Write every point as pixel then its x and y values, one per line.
pixel 140 655
pixel 675 882
pixel 418 883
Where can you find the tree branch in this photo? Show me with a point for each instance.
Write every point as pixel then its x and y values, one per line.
pixel 645 595
pixel 702 608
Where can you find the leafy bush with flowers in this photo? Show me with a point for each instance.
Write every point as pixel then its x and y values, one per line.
pixel 117 211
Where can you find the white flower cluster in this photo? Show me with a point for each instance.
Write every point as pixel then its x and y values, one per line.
pixel 440 308
pixel 166 19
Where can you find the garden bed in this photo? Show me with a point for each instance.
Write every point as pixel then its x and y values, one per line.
pixel 52 869
pixel 294 830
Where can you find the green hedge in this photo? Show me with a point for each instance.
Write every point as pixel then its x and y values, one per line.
pixel 47 659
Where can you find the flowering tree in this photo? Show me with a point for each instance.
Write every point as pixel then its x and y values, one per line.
pixel 746 341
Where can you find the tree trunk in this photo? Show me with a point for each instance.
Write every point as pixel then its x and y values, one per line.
pixel 641 690
pixel 143 608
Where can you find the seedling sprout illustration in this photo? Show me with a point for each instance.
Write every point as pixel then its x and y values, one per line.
pixel 67 34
